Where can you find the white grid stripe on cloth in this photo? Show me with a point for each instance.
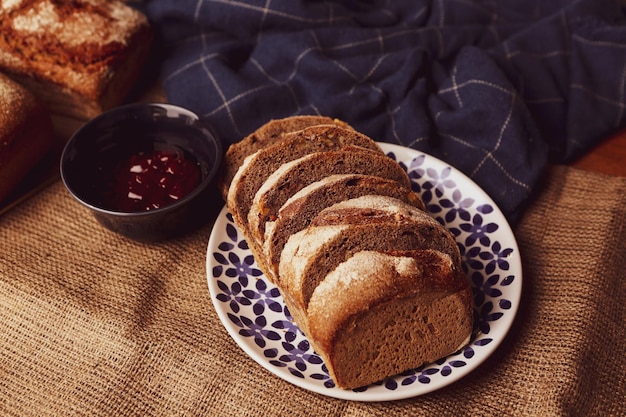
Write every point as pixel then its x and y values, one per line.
pixel 494 88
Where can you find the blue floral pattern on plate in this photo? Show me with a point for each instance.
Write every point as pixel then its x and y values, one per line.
pixel 253 312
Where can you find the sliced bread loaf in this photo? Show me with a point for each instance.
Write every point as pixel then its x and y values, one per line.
pixel 297 213
pixel 271 132
pixel 374 282
pixel 376 223
pixel 295 175
pixel 257 167
pixel 380 314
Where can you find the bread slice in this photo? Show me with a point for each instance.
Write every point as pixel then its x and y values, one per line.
pixel 297 213
pixel 293 176
pixel 377 223
pixel 379 314
pixel 375 283
pixel 271 132
pixel 257 167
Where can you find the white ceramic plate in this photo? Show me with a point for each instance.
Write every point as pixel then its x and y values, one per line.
pixel 253 312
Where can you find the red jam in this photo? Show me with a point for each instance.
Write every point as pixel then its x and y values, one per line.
pixel 151 180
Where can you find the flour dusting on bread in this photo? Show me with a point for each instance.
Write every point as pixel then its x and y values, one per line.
pixel 79 57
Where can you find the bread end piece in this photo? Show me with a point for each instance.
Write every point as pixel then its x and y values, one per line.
pixel 416 308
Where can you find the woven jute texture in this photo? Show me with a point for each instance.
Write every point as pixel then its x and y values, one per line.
pixel 97 325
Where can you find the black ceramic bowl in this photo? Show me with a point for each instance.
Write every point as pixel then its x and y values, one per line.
pixel 91 160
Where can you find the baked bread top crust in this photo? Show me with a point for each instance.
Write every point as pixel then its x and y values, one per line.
pixel 78 57
pixel 72 43
pixel 26 135
pixel 15 101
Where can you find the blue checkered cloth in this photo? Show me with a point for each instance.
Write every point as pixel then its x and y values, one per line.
pixel 496 88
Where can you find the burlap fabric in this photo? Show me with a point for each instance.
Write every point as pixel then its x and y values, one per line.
pixel 96 325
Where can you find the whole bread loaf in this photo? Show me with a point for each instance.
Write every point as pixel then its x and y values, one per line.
pixel 78 57
pixel 374 282
pixel 26 135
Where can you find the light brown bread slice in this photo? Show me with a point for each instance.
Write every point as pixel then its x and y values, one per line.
pixel 269 133
pixel 295 175
pixel 297 213
pixel 378 314
pixel 257 167
pixel 376 223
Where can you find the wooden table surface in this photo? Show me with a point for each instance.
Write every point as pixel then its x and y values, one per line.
pixel 608 157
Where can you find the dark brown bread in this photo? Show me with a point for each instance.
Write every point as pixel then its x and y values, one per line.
pixel 271 132
pixel 257 167
pixel 374 282
pixel 297 213
pixel 295 175
pixel 79 57
pixel 353 226
pixel 395 312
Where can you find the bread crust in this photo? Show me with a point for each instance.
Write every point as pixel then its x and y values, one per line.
pixel 293 176
pixel 269 133
pixel 298 212
pixel 257 167
pixel 79 57
pixel 26 135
